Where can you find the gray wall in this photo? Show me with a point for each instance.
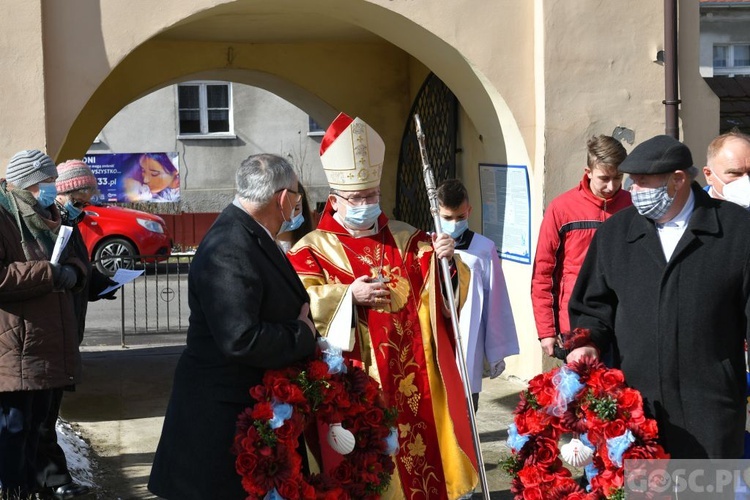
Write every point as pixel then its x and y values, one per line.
pixel 263 123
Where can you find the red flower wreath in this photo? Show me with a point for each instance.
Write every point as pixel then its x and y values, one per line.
pixel 593 403
pixel 329 390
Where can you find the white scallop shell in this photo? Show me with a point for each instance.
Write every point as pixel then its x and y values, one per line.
pixel 340 439
pixel 576 453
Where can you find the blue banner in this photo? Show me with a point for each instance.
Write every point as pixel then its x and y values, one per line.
pixel 133 177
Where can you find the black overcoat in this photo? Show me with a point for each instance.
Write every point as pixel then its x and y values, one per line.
pixel 244 299
pixel 679 326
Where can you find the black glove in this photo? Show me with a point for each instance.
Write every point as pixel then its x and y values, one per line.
pixel 560 352
pixel 63 277
pixel 110 295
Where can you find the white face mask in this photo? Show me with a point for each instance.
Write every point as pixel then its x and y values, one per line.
pixel 737 191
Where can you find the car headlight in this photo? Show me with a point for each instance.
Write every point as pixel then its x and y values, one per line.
pixel 152 226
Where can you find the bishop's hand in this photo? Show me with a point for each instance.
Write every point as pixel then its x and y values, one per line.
pixel 369 292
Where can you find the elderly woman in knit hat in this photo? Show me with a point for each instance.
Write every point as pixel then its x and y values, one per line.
pixel 75 185
pixel 39 347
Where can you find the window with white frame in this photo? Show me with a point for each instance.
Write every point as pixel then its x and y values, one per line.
pixel 205 109
pixel 732 58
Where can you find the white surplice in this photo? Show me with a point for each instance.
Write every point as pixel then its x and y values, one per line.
pixel 488 330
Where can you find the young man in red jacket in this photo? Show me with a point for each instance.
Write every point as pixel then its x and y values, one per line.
pixel 567 228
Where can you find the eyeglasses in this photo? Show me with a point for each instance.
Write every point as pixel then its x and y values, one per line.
pixel 360 200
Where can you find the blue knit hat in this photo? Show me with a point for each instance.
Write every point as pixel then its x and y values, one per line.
pixel 29 167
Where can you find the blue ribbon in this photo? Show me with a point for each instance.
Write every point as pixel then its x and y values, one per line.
pixel 391 442
pixel 334 360
pixel 591 473
pixel 568 384
pixel 515 440
pixel 273 495
pixel 281 413
pixel 584 438
pixel 616 446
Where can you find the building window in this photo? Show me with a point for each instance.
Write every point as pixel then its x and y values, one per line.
pixel 313 129
pixel 732 59
pixel 205 109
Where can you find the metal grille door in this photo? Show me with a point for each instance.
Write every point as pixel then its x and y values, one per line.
pixel 437 107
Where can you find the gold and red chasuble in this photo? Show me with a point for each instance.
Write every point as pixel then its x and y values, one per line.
pixel 406 345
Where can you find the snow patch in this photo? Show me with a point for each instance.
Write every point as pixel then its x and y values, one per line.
pixel 77 452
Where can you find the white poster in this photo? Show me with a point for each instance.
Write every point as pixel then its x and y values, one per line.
pixel 506 209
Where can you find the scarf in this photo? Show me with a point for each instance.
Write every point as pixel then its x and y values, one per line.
pixel 38 225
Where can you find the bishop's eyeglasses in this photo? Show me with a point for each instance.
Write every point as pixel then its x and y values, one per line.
pixel 357 200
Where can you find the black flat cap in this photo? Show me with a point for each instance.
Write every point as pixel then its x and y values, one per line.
pixel 659 155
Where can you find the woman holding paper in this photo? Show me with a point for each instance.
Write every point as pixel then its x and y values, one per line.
pixel 75 185
pixel 39 348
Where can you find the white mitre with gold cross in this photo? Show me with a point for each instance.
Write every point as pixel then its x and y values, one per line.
pixel 352 154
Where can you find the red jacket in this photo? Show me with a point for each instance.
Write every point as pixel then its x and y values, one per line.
pixel 567 228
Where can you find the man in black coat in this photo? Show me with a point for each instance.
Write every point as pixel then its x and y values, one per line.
pixel 668 282
pixel 248 313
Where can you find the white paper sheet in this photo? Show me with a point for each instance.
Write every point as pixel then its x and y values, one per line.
pixel 122 276
pixel 63 235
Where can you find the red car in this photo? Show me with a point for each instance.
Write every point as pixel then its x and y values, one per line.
pixel 115 235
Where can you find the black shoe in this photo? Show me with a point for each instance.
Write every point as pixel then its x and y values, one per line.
pixel 70 490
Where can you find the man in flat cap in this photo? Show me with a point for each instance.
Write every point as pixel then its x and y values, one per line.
pixel 667 281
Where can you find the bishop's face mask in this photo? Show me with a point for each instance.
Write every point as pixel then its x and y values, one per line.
pixel 362 216
pixel 737 191
pixel 652 203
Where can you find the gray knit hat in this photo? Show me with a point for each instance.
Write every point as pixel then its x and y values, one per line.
pixel 29 167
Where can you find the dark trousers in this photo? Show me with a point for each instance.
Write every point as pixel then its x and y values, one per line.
pixel 51 466
pixel 21 415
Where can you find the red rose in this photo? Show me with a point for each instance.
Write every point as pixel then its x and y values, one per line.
pixel 258 393
pixel 289 489
pixel 532 422
pixel 262 411
pixel 343 473
pixel 607 381
pixel 629 400
pixel 244 463
pixel 373 417
pixel 531 476
pixel 284 390
pixel 648 430
pixel 614 428
pixel 545 451
pixel 542 388
pixel 318 370
pixel 608 480
pixel 533 493
pixel 290 431
pixel 252 487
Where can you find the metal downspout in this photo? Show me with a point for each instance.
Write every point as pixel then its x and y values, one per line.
pixel 671 98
